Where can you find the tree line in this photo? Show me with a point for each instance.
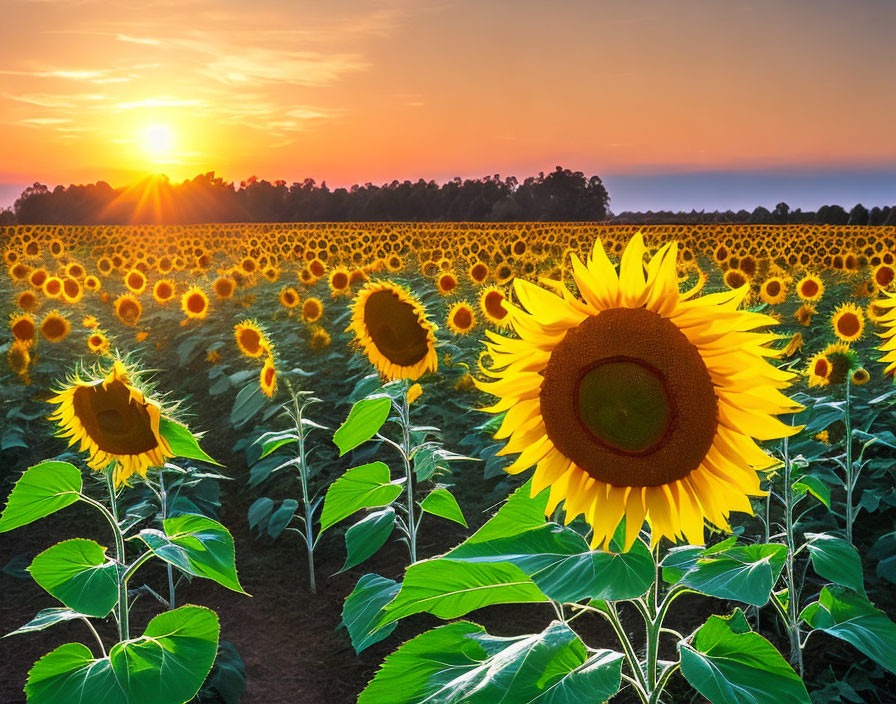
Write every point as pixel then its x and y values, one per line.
pixel 561 194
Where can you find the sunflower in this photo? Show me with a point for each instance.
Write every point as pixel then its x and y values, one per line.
pixel 251 339
pixel 492 304
pixel 164 291
pixel 37 277
pixel 92 283
pixel 478 273
pixel 446 283
pixel 135 280
pixel 860 377
pixel 848 322
pixel 114 421
pixel 312 309
pixel 736 279
pixel 320 338
pixel 289 297
pixel 128 309
pixel 635 403
pixel 461 318
pixel 340 283
pixel 804 314
pixel 18 357
pixel 97 342
pixel 90 322
pixel 28 301
pixel 24 328
pixel 224 287
pixel 810 288
pixel 268 378
pixel 773 291
pixel 194 303
pixel 391 327
pixel 794 346
pixel 55 327
pixel 72 291
pixel 882 276
pixel 52 287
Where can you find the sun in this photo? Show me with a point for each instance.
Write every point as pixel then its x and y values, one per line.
pixel 157 141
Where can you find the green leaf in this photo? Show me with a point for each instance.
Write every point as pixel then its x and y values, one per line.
pixel 197 545
pixel 814 486
pixel 260 513
pixel 364 421
pixel 367 486
pixel 45 619
pixel 166 665
pixel 746 573
pixel 249 401
pixel 450 588
pixel 836 560
pixel 561 565
pixel 460 663
pixel 729 664
pixel 442 503
pixel 281 517
pixel 367 536
pixel 272 442
pixel 183 442
pixel 78 574
pixel 363 608
pixel 41 490
pixel 850 617
pixel 518 514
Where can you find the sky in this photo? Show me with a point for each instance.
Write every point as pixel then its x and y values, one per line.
pixel 676 104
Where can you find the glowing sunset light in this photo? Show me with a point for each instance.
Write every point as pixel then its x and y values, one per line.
pixel 157 142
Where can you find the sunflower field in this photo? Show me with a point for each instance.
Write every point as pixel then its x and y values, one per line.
pixel 398 463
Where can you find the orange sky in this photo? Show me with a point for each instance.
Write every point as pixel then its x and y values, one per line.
pixel 370 91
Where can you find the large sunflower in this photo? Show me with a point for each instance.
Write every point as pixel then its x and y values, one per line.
pixel 634 402
pixel 114 421
pixel 391 327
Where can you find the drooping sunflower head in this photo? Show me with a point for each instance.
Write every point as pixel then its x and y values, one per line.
pixel 251 339
pixel 54 326
pixel 18 357
pixel 804 314
pixel 848 322
pixel 794 345
pixel 810 288
pixel 194 303
pixel 843 360
pixel 461 318
pixel 28 301
pixel 633 402
pixel 319 338
pixel 114 421
pixel 392 329
pixel 268 378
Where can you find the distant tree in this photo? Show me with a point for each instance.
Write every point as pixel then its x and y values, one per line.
pixel 859 215
pixel 760 215
pixel 781 213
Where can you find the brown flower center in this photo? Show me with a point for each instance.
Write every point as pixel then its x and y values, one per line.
pixel 395 328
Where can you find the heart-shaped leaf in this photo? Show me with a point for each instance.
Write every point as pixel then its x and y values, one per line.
pixel 41 490
pixel 78 573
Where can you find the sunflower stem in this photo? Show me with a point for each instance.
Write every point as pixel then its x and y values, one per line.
pixel 405 416
pixel 163 498
pixel 850 483
pixel 303 482
pixel 122 605
pixel 793 622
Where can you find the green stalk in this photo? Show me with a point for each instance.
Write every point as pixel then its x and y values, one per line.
pixel 122 605
pixel 405 415
pixel 303 482
pixel 850 480
pixel 163 496
pixel 793 622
